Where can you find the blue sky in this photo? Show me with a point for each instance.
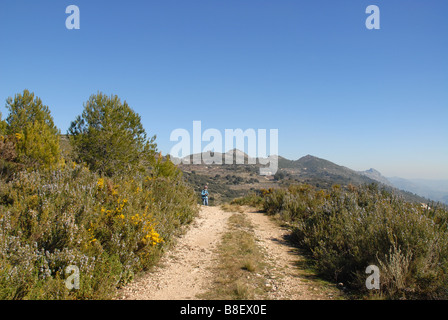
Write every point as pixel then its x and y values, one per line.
pixel 311 69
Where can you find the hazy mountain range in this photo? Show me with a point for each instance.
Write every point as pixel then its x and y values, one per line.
pixel 436 190
pixel 308 169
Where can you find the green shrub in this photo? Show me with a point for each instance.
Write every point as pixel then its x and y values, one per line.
pixel 110 228
pixel 3 126
pixel 347 230
pixel 251 199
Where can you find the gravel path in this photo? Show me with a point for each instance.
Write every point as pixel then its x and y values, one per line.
pixel 184 272
pixel 288 281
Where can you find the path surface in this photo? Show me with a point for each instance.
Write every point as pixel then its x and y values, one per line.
pixel 288 280
pixel 184 272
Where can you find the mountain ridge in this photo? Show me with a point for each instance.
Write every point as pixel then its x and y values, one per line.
pixel 425 188
pixel 234 178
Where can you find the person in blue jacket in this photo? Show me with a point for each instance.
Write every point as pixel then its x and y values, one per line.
pixel 204 195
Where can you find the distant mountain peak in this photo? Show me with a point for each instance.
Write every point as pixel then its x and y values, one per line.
pixel 237 152
pixel 308 157
pixel 376 175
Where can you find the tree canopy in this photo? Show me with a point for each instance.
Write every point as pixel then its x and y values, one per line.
pixel 30 127
pixel 109 137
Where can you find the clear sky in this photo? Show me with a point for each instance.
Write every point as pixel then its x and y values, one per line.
pixel 311 69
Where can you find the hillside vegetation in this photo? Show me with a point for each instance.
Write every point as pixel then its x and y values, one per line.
pixel 100 199
pixel 228 181
pixel 344 230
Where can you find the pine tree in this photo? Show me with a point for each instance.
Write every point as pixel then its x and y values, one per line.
pixel 36 136
pixel 110 138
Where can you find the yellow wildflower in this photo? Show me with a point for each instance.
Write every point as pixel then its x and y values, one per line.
pixel 152 238
pixel 100 183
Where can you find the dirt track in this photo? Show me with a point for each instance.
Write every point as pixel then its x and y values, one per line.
pixel 184 272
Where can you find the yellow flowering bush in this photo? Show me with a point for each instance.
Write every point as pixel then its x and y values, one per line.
pixel 152 238
pixel 100 183
pixel 111 228
pixel 55 212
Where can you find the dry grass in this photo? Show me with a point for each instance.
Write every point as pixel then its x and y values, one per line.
pixel 232 208
pixel 239 264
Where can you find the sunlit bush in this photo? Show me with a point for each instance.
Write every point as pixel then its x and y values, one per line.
pixel 345 230
pixel 110 228
pixel 36 138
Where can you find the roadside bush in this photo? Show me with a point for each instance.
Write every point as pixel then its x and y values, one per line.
pixel 8 156
pixel 3 125
pixel 110 228
pixel 251 199
pixel 345 230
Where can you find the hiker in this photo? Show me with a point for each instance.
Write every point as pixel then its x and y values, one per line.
pixel 204 195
